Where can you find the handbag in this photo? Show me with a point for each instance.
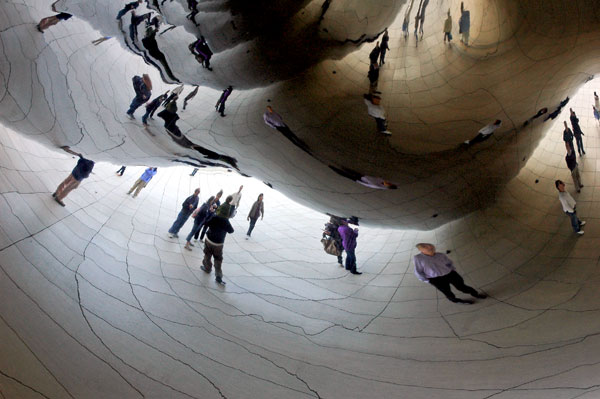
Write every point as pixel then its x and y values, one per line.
pixel 330 247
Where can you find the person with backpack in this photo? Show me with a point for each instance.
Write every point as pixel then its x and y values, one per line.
pixel 189 205
pixel 143 90
pixel 81 171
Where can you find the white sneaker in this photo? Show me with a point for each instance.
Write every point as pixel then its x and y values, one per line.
pixel 580 232
pixel 386 132
pixel 582 223
pixel 170 235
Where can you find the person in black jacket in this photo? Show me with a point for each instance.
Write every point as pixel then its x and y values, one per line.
pixel 218 227
pixel 189 205
pixel 143 90
pixel 577 132
pixel 568 137
pixel 81 171
pixel 571 160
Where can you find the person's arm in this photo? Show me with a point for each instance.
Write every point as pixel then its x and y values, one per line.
pixel 262 210
pixel 419 270
pixel 229 227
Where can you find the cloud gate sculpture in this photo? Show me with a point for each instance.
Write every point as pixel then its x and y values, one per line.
pixel 436 117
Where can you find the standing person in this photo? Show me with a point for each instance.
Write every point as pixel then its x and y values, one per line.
pixel 81 171
pixel 190 96
pixel 152 106
pixel 405 27
pixel 200 216
pixel 438 270
pixel 258 209
pixel 596 101
pixel 349 243
pixel 577 132
pixel 373 76
pixel 464 24
pixel 187 207
pixel 143 90
pixel 121 170
pixel 384 46
pixel 374 54
pixel 202 52
pixel 220 106
pixel 218 227
pixel 596 114
pixel 568 137
pixel 142 181
pixel 331 229
pixel 485 132
pixel 217 202
pixel 47 22
pixel 377 112
pixel 568 205
pixel 128 7
pixel 448 28
pixel 235 201
pixel 194 172
pixel 100 40
pixel 571 160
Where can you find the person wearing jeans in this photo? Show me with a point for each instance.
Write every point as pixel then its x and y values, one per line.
pixel 349 242
pixel 257 210
pixel 81 171
pixel 189 205
pixel 438 270
pixel 568 205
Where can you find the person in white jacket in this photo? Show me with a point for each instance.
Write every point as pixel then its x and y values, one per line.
pixel 568 205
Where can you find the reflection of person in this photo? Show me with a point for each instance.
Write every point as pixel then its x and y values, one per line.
pixel 377 112
pixel 121 170
pixel 274 120
pixel 47 22
pixel 374 54
pixel 218 228
pixel 596 113
pixel 235 201
pixel 142 181
pixel 152 106
pixel 220 106
pixel 331 230
pixel 200 217
pixel 568 137
pixel 258 209
pixel 128 7
pixel 485 133
pixel 100 40
pixel 577 132
pixel 464 24
pixel 349 242
pixel 143 90
pixel 571 160
pixel 438 270
pixel 384 46
pixel 373 76
pixel 191 95
pixel 376 182
pixel 81 171
pixel 448 28
pixel 187 207
pixel 596 101
pixel 568 205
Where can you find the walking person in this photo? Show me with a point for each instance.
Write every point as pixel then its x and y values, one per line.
pixel 218 228
pixel 200 217
pixel 384 46
pixel 438 270
pixel 220 106
pixel 448 28
pixel 121 170
pixel 187 208
pixel 464 24
pixel 571 160
pixel 235 202
pixel 349 243
pixel 143 90
pixel 596 101
pixel 191 95
pixel 374 54
pixel 405 32
pixel 485 132
pixel 596 114
pixel 258 209
pixel 152 106
pixel 568 137
pixel 373 76
pixel 142 181
pixel 81 171
pixel 375 110
pixel 47 22
pixel 568 205
pixel 577 132
pixel 275 121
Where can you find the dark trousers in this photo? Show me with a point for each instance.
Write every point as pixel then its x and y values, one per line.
pixel 350 260
pixel 121 171
pixel 381 124
pixel 442 283
pixel 216 252
pixel 221 109
pixel 251 227
pixel 579 142
pixel 180 221
pixel 135 104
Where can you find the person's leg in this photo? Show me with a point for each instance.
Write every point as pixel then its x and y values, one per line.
pixel 222 108
pixel 575 223
pixel 145 117
pixel 580 145
pixel 47 22
pixel 139 188
pixel 350 260
pixel 70 186
pixel 576 178
pixel 381 125
pixel 195 230
pixel 207 261
pixel 121 13
pixel 138 181
pixel 218 255
pixel 251 227
pixel 62 185
pixel 457 281
pixel 204 228
pixel 443 285
pixel 135 104
pixel 177 223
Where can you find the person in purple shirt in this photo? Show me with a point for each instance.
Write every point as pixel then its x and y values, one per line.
pixel 349 242
pixel 142 181
pixel 220 106
pixel 438 270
